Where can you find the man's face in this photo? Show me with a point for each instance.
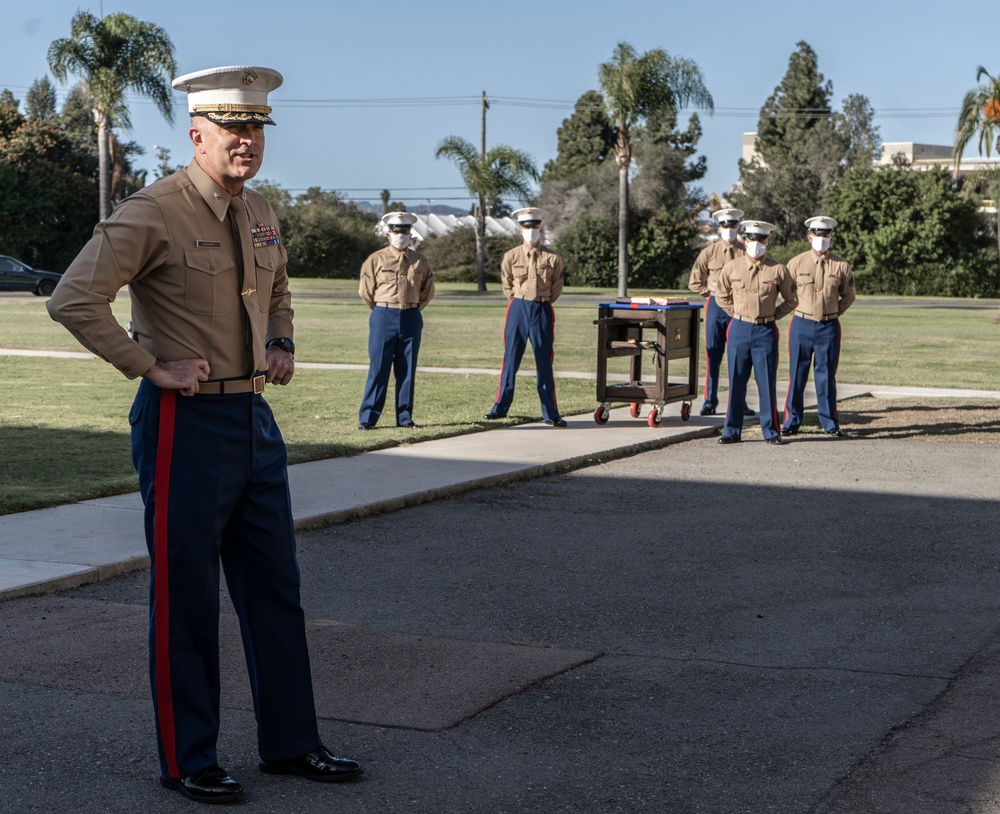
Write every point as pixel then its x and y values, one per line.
pixel 231 154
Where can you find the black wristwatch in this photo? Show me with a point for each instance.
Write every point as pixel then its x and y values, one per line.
pixel 283 342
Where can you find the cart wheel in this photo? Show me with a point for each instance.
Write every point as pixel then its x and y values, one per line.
pixel 633 409
pixel 685 411
pixel 653 418
pixel 601 415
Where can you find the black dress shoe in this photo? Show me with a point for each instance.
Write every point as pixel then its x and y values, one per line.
pixel 318 765
pixel 789 430
pixel 837 433
pixel 776 440
pixel 366 426
pixel 749 412
pixel 707 410
pixel 211 785
pixel 491 416
pixel 728 439
pixel 557 422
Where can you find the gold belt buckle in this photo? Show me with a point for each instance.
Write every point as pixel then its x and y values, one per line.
pixel 258 385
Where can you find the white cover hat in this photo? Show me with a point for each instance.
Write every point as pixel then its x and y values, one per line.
pixel 727 214
pixel 236 94
pixel 757 227
pixel 821 222
pixel 529 213
pixel 398 219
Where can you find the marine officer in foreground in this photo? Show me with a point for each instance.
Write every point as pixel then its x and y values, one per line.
pixel 396 284
pixel 748 290
pixel 212 325
pixel 825 284
pixel 704 277
pixel 532 278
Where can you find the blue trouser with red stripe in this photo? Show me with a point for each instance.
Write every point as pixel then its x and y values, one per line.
pixel 809 343
pixel 214 482
pixel 752 348
pixel 716 325
pixel 393 345
pixel 535 322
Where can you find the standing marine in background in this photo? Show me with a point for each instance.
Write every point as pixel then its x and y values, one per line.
pixel 532 277
pixel 825 284
pixel 396 284
pixel 748 291
pixel 704 277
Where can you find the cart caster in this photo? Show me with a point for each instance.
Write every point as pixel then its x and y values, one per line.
pixel 685 411
pixel 653 418
pixel 633 409
pixel 601 415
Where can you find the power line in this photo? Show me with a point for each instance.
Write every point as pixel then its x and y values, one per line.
pixel 560 104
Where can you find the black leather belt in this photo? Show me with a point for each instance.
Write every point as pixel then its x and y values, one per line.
pixel 225 387
pixel 825 318
pixel 755 320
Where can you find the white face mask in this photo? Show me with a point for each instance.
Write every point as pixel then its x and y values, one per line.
pixel 728 235
pixel 819 244
pixel 398 240
pixel 531 236
pixel 756 249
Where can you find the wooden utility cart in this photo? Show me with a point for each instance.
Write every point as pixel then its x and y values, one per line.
pixel 668 332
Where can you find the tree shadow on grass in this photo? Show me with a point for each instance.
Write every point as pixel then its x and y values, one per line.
pixel 972 423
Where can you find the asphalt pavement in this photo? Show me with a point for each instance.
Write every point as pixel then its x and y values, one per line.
pixel 595 619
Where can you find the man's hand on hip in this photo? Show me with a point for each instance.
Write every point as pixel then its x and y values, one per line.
pixel 183 375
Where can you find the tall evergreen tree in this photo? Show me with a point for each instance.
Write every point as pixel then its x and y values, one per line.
pixel 40 103
pixel 583 141
pixel 802 148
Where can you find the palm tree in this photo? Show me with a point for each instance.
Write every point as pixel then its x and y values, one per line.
pixel 503 171
pixel 980 115
pixel 114 55
pixel 634 88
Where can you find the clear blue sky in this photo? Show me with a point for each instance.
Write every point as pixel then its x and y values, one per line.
pixel 914 61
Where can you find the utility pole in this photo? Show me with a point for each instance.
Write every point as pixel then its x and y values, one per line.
pixel 482 142
pixel 481 215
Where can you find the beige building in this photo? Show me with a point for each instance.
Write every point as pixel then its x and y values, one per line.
pixel 919 156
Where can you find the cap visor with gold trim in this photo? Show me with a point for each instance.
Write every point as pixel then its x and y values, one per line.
pixel 236 94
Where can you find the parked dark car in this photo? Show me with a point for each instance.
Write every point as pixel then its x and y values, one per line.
pixel 18 276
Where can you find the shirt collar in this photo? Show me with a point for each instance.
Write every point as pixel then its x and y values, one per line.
pixel 215 196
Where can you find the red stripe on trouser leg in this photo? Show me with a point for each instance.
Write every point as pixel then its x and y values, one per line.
pixel 506 316
pixel 552 356
pixel 161 584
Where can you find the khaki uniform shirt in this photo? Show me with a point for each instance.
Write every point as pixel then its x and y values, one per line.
pixel 399 279
pixel 172 244
pixel 749 290
pixel 532 273
pixel 825 285
pixel 709 263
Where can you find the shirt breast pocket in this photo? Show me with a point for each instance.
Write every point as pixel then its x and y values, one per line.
pixel 209 281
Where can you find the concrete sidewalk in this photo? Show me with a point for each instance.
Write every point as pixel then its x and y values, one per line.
pixel 76 544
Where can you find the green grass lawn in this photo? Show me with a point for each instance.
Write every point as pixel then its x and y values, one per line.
pixel 64 436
